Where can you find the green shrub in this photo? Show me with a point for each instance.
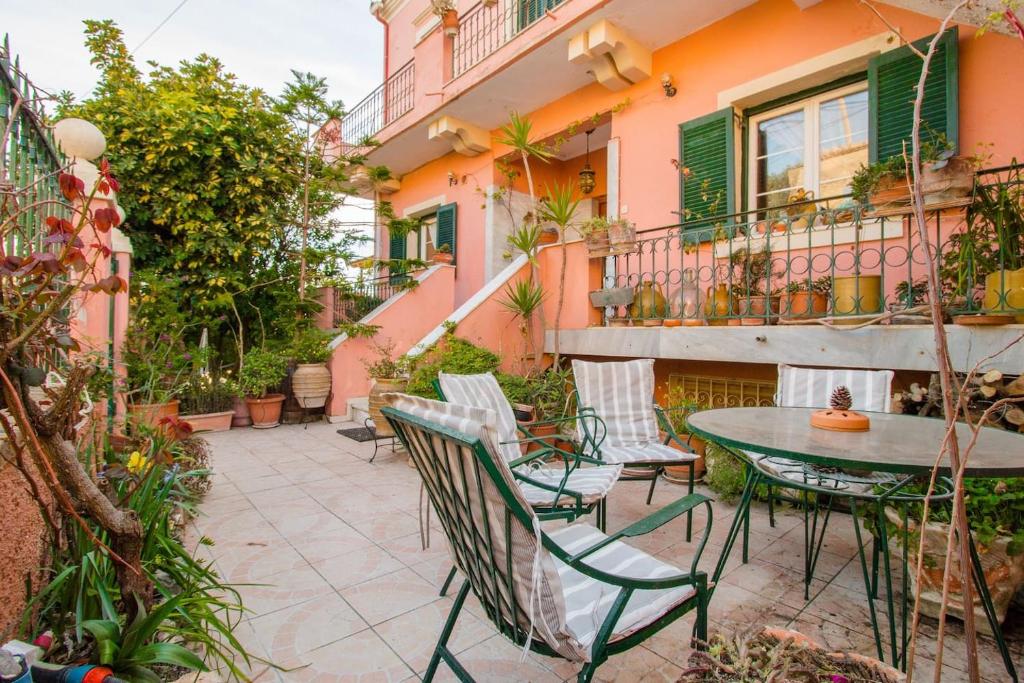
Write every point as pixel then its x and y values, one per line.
pixel 452 355
pixel 262 371
pixel 310 346
pixel 725 475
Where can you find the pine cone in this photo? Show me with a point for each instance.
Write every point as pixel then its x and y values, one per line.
pixel 841 399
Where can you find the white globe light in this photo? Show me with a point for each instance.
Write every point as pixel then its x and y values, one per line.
pixel 79 138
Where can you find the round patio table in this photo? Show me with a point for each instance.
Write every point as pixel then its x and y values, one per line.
pixel 897 444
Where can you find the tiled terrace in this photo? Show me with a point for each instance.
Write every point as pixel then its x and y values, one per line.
pixel 339 589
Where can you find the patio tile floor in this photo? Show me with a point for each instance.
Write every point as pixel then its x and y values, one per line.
pixel 340 589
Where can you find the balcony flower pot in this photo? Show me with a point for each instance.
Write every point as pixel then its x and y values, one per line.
pixel 622 237
pixel 265 411
pixel 890 192
pixel 442 258
pixel 1004 573
pixel 548 236
pixel 150 414
pixel 802 305
pixel 450 22
pixel 240 415
pixel 598 245
pixel 757 309
pixel 210 422
pixel 311 384
pixel 952 180
pixel 612 296
pixel 381 386
pixel 857 294
pixel 1004 293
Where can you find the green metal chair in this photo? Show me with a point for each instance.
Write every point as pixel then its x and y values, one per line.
pixel 572 592
pixel 621 396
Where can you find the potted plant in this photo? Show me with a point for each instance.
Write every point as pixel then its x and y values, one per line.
pixel 775 654
pixel 621 236
pixel 207 398
pixel 449 16
pixel 751 271
pixel 595 236
pixel 677 410
pixel 997 215
pixel 807 298
pixel 857 294
pixel 995 511
pixel 154 363
pixel 262 371
pixel 944 176
pixel 443 255
pixel 546 394
pixel 311 381
pixel 389 375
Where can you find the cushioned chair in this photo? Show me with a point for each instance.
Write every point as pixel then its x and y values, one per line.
pixel 628 423
pixel 871 391
pixel 568 490
pixel 572 592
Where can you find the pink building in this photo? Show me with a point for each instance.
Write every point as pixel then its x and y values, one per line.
pixel 705 121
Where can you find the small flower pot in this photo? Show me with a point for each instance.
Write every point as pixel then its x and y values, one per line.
pixel 548 236
pixel 210 422
pixel 597 243
pixel 450 23
pixel 442 258
pixel 266 411
pixel 802 305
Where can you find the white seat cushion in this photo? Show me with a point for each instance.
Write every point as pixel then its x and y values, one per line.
pixel 622 395
pixel 588 601
pixel 644 453
pixel 592 483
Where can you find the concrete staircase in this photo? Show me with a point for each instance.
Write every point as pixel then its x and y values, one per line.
pixel 359 409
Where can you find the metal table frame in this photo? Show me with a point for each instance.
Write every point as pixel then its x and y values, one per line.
pixel 823 483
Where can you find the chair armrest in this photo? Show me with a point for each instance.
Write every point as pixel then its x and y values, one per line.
pixel 666 426
pixel 644 526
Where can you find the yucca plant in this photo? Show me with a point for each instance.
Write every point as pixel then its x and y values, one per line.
pixel 559 208
pixel 523 299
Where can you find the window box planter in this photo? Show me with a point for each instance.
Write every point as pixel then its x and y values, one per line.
pixel 210 422
pixel 442 258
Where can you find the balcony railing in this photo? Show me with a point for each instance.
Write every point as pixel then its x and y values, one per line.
pixel 829 258
pixel 392 98
pixel 356 298
pixel 489 25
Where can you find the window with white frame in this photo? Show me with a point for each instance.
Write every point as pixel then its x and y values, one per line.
pixel 420 243
pixel 814 144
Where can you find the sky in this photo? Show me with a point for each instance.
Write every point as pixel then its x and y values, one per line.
pixel 259 41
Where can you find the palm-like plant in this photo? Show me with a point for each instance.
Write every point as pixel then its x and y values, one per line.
pixel 559 208
pixel 523 299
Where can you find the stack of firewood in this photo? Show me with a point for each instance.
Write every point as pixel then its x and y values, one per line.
pixel 983 391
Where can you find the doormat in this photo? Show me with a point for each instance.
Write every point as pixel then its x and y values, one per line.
pixel 359 434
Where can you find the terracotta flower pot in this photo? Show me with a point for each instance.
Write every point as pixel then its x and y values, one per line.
pixel 311 384
pixel 1004 573
pixel 890 192
pixel 622 237
pixel 548 236
pixel 952 181
pixel 240 417
pixel 597 244
pixel 680 474
pixel 376 402
pixel 266 411
pixel 805 305
pixel 442 258
pixel 210 422
pixel 150 414
pixel 450 23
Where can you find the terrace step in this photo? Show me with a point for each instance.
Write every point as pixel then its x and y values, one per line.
pixel 359 409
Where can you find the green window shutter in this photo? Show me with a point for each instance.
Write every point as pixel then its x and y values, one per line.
pixel 707 151
pixel 396 246
pixel 892 82
pixel 446 227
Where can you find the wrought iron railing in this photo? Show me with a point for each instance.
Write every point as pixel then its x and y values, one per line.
pixel 489 25
pixel 354 299
pixel 29 158
pixel 829 258
pixel 387 103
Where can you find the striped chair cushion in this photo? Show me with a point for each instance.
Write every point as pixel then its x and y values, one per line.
pixel 621 394
pixel 644 453
pixel 593 483
pixel 812 387
pixel 588 601
pixel 483 391
pixel 871 391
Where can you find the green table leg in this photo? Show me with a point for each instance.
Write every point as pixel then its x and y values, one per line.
pixel 738 520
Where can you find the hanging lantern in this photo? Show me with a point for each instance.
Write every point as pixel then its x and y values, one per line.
pixel 587 182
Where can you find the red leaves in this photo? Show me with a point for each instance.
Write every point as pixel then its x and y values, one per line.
pixel 71 187
pixel 176 428
pixel 107 180
pixel 40 263
pixel 75 259
pixel 102 248
pixel 104 219
pixel 111 285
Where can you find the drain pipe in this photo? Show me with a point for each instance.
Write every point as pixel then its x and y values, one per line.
pixel 377 8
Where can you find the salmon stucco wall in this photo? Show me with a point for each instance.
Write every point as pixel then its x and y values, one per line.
pixel 404 320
